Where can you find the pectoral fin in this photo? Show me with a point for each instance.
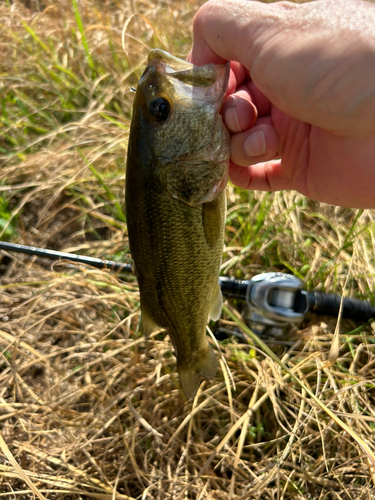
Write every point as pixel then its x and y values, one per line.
pixel 213 230
pixel 216 304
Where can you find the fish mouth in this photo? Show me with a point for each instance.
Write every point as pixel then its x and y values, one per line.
pixel 164 62
pixel 203 83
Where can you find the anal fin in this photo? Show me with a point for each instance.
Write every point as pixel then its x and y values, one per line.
pixel 148 325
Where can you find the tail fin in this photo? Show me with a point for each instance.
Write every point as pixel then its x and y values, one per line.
pixel 191 375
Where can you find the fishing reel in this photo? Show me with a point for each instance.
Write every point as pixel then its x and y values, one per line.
pixel 273 302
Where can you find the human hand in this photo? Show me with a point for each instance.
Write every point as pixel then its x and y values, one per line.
pixel 302 89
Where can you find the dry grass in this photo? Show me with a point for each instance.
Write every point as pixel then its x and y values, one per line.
pixel 88 407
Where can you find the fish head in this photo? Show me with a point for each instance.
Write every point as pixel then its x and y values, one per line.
pixel 181 133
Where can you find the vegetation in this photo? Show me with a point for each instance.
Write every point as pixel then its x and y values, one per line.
pixel 90 409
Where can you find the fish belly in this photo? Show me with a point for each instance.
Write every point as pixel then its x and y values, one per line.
pixel 177 262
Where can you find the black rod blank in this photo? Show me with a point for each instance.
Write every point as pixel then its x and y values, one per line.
pixel 55 255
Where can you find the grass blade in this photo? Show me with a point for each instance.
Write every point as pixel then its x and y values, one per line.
pixel 83 36
pixel 256 340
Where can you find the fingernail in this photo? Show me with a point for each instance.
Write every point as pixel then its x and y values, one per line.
pixel 231 120
pixel 255 144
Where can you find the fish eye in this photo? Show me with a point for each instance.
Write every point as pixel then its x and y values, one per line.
pixel 160 108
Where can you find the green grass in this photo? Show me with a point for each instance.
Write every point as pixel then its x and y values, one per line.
pixel 8 230
pixel 90 408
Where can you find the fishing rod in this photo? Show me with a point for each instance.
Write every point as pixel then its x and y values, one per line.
pixel 55 255
pixel 273 300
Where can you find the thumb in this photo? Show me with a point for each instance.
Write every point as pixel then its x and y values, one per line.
pixel 230 30
pixel 251 33
pixel 314 61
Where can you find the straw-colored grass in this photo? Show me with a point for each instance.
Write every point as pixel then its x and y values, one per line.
pixel 90 409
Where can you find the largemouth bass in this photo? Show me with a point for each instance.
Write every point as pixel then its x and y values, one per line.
pixel 176 174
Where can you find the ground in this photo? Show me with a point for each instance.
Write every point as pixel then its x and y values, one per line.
pixel 89 408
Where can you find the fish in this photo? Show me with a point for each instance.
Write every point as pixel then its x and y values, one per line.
pixel 176 174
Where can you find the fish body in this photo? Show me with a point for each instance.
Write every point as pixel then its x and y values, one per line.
pixel 176 173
